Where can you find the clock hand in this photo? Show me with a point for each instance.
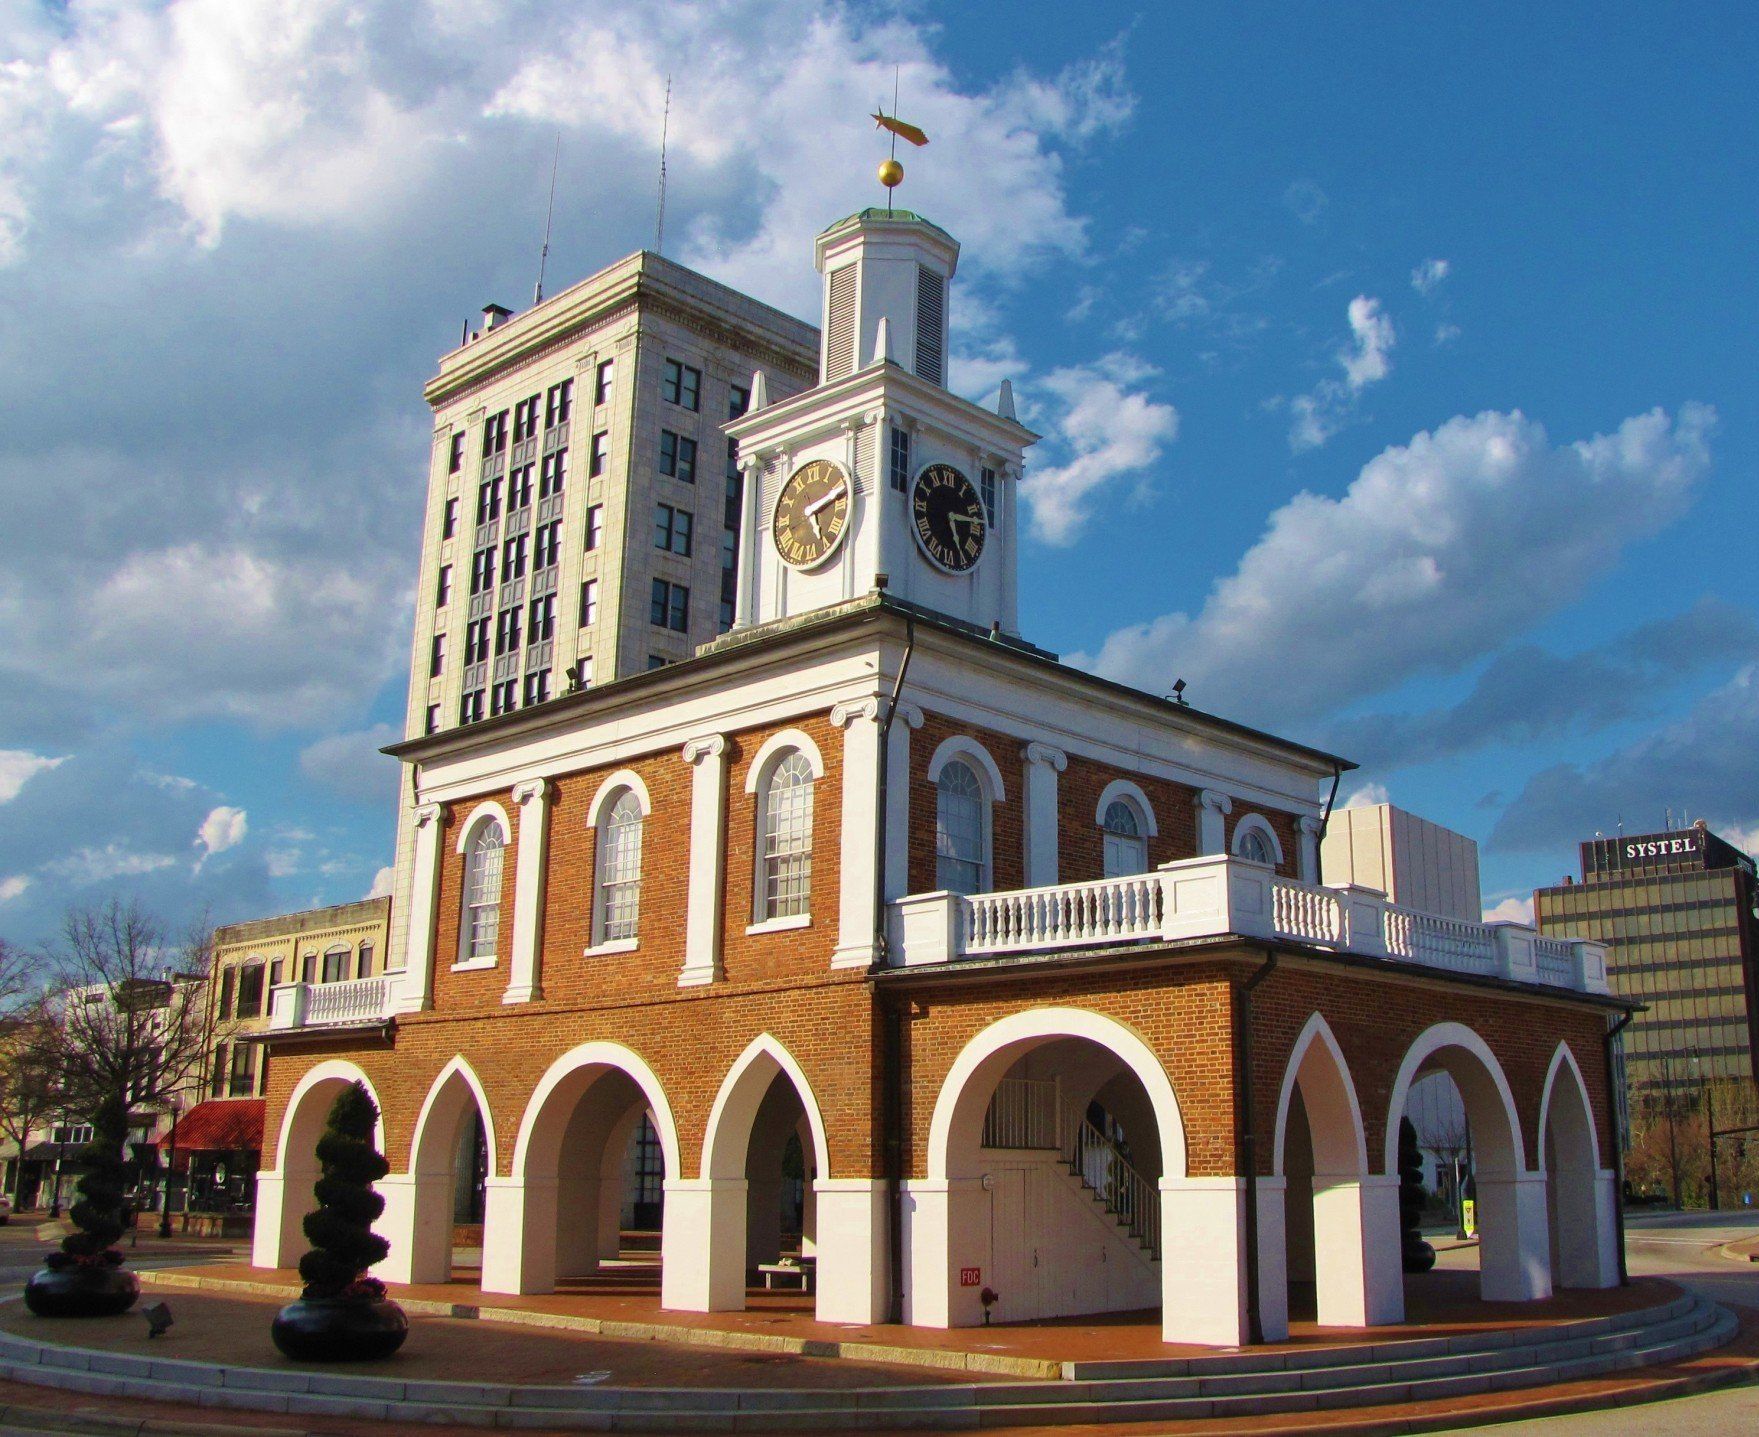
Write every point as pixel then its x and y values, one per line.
pixel 823 500
pixel 817 527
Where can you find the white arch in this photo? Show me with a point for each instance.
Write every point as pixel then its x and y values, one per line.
pixel 994 1050
pixel 1123 788
pixel 773 747
pixel 736 1106
pixel 1256 823
pixel 963 746
pixel 605 1055
pixel 330 1070
pixel 1433 1040
pixel 1563 1058
pixel 623 778
pixel 1318 1031
pixel 488 808
pixel 455 1067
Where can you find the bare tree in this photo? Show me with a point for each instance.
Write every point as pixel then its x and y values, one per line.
pixel 30 1087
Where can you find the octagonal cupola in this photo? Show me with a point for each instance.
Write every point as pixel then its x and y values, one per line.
pixel 885 268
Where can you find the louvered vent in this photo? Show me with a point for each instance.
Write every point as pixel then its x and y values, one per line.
pixel 840 332
pixel 931 326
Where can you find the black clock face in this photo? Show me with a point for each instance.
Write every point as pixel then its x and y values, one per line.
pixel 946 513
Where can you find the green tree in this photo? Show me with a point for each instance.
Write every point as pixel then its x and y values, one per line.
pixel 97 1216
pixel 344 1245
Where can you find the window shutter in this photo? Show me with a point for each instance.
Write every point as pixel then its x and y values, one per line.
pixel 840 332
pixel 931 325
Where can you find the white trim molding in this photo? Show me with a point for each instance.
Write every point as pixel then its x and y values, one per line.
pixel 964 746
pixel 531 870
pixel 703 923
pixel 623 778
pixel 1213 807
pixel 1043 763
pixel 773 748
pixel 1256 823
pixel 486 809
pixel 1124 788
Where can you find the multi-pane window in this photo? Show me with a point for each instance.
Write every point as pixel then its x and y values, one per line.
pixel 730 515
pixel 657 661
pixel 335 965
pixel 503 696
pixel 513 558
pixel 433 719
pixel 547 544
pixel 601 452
pixel 470 707
pixel 437 657
pixel 488 501
pixel 619 870
pixel 738 400
pixel 507 631
pixel 540 621
pixel 1253 844
pixel 443 589
pixel 449 523
pixel 900 459
pixel 494 433
pixel 455 459
pixel 682 385
pixel 601 389
pixel 786 863
pixel 525 419
pixel 537 687
pixel 558 403
pixel 238 1084
pixel 482 570
pixel 672 529
pixel 670 607
pixel 224 1011
pixel 363 967
pixel 595 526
pixel 553 475
pixel 308 968
pixel 1126 849
pixel 482 895
pixel 960 839
pixel 476 640
pixel 987 485
pixel 250 991
pixel 589 601
pixel 519 487
pixel 275 975
pixel 678 456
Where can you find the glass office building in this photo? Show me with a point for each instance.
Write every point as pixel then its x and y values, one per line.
pixel 1676 911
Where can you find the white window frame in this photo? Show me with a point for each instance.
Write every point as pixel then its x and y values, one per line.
pixel 490 813
pixel 770 756
pixel 1256 823
pixel 985 862
pixel 598 816
pixel 1121 790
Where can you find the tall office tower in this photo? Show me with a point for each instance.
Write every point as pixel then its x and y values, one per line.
pixel 583 501
pixel 1676 911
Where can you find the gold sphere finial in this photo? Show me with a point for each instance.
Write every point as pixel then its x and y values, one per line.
pixel 891 174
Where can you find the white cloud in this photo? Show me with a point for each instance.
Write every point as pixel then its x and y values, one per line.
pixel 1440 551
pixel 89 865
pixel 1365 360
pixel 1514 909
pixel 223 828
pixel 12 886
pixel 1109 431
pixel 1366 796
pixel 381 886
pixel 1446 333
pixel 1429 274
pixel 18 766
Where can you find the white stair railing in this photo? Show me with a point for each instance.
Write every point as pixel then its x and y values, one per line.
pixel 1022 1113
pixel 1131 1199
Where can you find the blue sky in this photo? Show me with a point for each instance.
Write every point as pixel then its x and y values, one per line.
pixel 1394 369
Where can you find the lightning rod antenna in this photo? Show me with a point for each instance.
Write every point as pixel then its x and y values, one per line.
pixel 665 128
pixel 543 259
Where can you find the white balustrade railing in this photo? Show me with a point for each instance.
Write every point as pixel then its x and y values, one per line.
pixel 1022 1113
pixel 1222 895
pixel 333 1005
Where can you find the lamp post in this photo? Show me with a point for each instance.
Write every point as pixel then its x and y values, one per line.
pixel 170 1174
pixel 60 1154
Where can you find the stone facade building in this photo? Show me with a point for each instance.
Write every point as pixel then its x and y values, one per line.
pixel 1034 971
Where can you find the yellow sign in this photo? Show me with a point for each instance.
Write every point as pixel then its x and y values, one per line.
pixel 1469 1217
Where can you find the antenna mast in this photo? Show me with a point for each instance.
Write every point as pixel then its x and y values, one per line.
pixel 543 259
pixel 665 128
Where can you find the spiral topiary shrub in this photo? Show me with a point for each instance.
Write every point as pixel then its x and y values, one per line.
pixel 1416 1254
pixel 84 1279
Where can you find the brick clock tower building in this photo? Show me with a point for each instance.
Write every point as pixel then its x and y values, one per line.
pixel 872 933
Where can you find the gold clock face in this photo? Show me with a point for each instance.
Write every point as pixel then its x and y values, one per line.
pixel 946 515
pixel 812 514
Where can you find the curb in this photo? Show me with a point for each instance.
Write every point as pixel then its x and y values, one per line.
pixel 104 1424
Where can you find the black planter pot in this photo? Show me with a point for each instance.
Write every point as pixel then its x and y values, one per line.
pixel 340 1329
pixel 81 1291
pixel 1418 1255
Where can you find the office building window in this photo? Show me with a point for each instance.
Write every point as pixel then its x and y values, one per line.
pixel 547 544
pixel 470 707
pixel 541 619
pixel 455 460
pixel 449 524
pixel 601 452
pixel 437 658
pixel 537 687
pixel 513 558
pixel 558 404
pixel 672 529
pixel 682 385
pixel 589 602
pixel 525 419
pixel 476 640
pixel 595 519
pixel 656 661
pixel 518 487
pixel 670 606
pixel 494 434
pixel 503 696
pixel 433 719
pixel 678 456
pixel 553 475
pixel 443 589
pixel 601 389
pixel 583 670
pixel 507 632
pixel 488 501
pixel 482 570
pixel 738 400
pixel 900 459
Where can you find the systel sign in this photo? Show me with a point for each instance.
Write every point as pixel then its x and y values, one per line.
pixel 1672 845
pixel 1681 848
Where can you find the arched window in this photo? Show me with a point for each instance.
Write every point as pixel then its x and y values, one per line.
pixel 619 870
pixel 961 831
pixel 1256 840
pixel 482 895
pixel 335 965
pixel 785 871
pixel 1126 846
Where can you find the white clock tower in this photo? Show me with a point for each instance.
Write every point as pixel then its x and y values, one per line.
pixel 879 476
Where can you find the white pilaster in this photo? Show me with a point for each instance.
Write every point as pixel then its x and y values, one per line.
pixel 1309 827
pixel 524 978
pixel 1213 808
pixel 707 757
pixel 1514 1247
pixel 853 1266
pixel 417 1222
pixel 945 1231
pixel 1358 1274
pixel 1043 764
pixel 1273 1260
pixel 1203 1260
pixel 745 597
pixel 519 1235
pixel 417 990
pixel 1007 479
pixel 275 1234
pixel 702 1245
pixel 907 717
pixel 1588 1254
pixel 859 862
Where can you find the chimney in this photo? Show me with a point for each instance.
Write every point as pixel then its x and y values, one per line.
pixel 494 316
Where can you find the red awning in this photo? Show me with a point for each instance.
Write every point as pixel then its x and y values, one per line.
pixel 222 1125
